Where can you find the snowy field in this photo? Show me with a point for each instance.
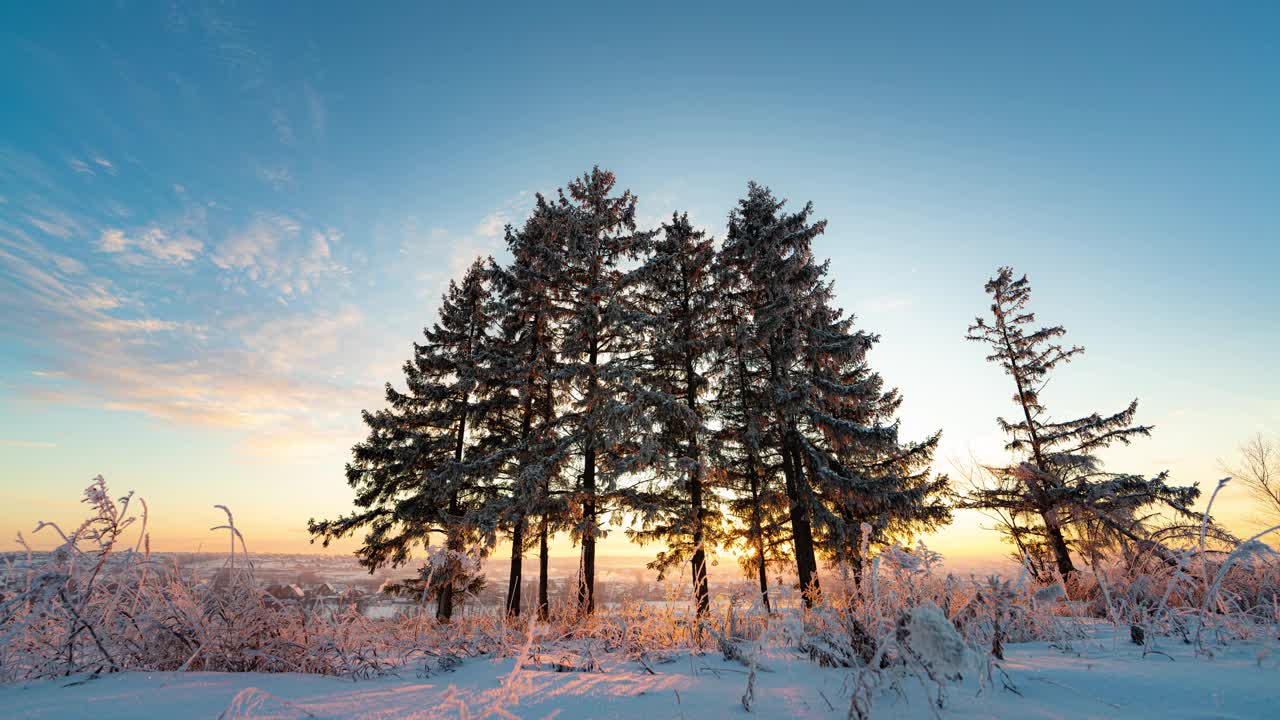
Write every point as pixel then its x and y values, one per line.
pixel 100 629
pixel 1102 677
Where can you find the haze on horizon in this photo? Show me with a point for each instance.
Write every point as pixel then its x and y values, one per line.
pixel 221 226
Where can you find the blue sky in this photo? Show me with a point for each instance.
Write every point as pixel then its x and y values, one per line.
pixel 221 225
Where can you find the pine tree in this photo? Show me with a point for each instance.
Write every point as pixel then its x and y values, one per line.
pixel 520 369
pixel 745 463
pixel 413 475
pixel 862 472
pixel 1057 482
pixel 829 417
pixel 675 304
pixel 770 251
pixel 595 343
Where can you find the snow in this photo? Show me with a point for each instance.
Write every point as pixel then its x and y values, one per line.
pixel 935 640
pixel 1102 677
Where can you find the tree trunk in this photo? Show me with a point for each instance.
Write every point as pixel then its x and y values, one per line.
pixel 701 590
pixel 516 579
pixel 764 579
pixel 544 607
pixel 444 604
pixel 587 588
pixel 801 529
pixel 1058 543
pixel 445 599
pixel 753 477
pixel 517 563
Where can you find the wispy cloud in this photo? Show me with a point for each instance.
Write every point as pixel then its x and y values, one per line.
pixel 54 223
pixel 48 373
pixel 272 251
pixel 106 165
pixel 289 380
pixel 316 109
pixel 150 245
pixel 117 326
pixel 284 130
pixel 92 166
pixel 276 177
pixel 492 224
pixel 291 344
pixel 79 320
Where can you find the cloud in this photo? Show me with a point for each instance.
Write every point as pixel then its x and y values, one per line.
pixel 294 343
pixel 280 121
pixel 292 381
pixel 275 177
pixel 153 245
pixel 273 252
pixel 492 225
pixel 316 108
pixel 92 166
pixel 53 298
pixel 68 265
pixel 117 326
pixel 54 223
pixel 225 41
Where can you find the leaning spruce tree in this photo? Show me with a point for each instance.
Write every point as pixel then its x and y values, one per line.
pixel 1056 483
pixel 674 312
pixel 413 475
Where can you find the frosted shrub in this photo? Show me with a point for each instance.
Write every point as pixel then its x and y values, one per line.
pixel 101 602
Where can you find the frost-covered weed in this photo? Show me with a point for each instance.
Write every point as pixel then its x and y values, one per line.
pixel 101 602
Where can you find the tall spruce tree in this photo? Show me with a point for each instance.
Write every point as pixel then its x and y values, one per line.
pixel 675 314
pixel 830 418
pixel 741 455
pixel 863 473
pixel 1056 482
pixel 770 251
pixel 414 475
pixel 520 369
pixel 595 346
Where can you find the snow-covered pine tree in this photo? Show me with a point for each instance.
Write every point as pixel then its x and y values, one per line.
pixel 861 470
pixel 519 368
pixel 770 251
pixel 674 301
pixel 745 461
pixel 414 475
pixel 1056 482
pixel 842 460
pixel 595 345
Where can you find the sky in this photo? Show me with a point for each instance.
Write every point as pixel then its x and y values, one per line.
pixel 223 224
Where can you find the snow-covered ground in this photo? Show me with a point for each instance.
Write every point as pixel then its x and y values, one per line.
pixel 1105 677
